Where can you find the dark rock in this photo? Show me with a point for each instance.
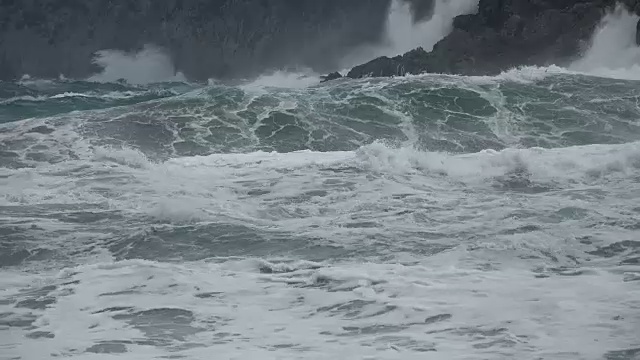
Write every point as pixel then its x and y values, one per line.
pixel 204 38
pixel 412 62
pixel 382 66
pixel 332 76
pixel 504 34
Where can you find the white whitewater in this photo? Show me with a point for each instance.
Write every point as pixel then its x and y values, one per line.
pixel 153 65
pixel 149 65
pixel 402 34
pixel 613 51
pixel 284 80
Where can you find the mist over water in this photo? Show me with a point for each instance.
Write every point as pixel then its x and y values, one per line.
pixel 613 51
pixel 153 65
pixel 149 65
pixel 402 34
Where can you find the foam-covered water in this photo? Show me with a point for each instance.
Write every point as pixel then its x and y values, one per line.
pixel 379 218
pixel 429 216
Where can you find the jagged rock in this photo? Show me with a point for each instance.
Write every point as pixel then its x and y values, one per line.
pixel 504 34
pixel 382 66
pixel 332 76
pixel 204 38
pixel 411 62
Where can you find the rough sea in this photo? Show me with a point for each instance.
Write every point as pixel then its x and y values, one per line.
pixel 421 217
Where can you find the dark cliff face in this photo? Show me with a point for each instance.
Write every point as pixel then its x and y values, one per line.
pixel 205 38
pixel 226 39
pixel 504 34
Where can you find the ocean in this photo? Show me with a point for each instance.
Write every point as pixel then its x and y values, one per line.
pixel 419 217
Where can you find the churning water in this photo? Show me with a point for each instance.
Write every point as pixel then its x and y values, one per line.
pixel 423 217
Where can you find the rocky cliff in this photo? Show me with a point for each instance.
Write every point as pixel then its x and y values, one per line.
pixel 204 38
pixel 243 38
pixel 503 34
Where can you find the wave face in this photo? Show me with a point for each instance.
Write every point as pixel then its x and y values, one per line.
pixel 379 217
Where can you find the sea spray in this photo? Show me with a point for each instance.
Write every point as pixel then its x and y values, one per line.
pixel 613 51
pixel 402 34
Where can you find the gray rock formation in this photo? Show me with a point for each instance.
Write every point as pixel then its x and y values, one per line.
pixel 228 39
pixel 504 34
pixel 204 38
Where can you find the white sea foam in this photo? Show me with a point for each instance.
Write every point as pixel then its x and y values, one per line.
pixel 28 98
pixel 479 296
pixel 613 52
pixel 283 79
pixel 580 163
pixel 464 254
pixel 354 310
pixel 206 187
pixel 521 74
pixel 149 65
pixel 112 95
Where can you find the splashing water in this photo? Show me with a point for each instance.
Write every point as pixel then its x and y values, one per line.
pixel 402 34
pixel 283 79
pixel 149 65
pixel 613 51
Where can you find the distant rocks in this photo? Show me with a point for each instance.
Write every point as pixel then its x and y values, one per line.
pixel 222 39
pixel 230 39
pixel 332 76
pixel 412 62
pixel 504 34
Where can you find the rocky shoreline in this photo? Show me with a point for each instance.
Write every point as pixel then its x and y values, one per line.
pixel 503 34
pixel 204 39
pixel 236 39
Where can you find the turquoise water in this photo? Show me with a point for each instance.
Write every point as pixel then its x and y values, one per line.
pixel 434 215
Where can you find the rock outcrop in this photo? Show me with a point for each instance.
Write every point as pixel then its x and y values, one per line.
pixel 204 38
pixel 228 39
pixel 332 76
pixel 504 34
